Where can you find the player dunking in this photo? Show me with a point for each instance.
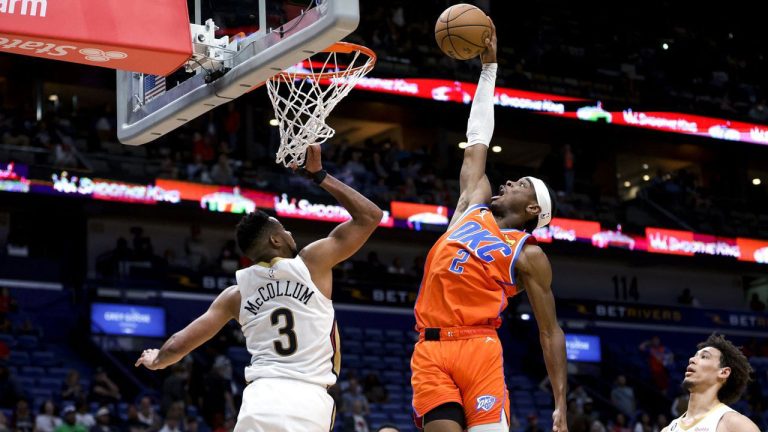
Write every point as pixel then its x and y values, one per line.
pixel 283 304
pixel 717 375
pixel 484 258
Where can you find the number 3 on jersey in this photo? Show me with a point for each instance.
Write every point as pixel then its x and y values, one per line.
pixel 461 257
pixel 286 330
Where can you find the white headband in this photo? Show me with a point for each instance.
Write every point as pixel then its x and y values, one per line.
pixel 542 197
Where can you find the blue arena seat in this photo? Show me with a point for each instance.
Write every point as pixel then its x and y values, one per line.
pixel 28 342
pixel 18 358
pixel 375 334
pixel 33 371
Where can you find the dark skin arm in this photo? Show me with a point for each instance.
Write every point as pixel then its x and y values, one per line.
pixel 347 238
pixel 535 272
pixel 224 308
pixel 474 187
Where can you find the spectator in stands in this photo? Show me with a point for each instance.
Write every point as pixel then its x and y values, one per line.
pixel 7 303
pixel 23 420
pixel 5 351
pixel 578 395
pixel 147 414
pixel 623 396
pixel 643 423
pixel 533 424
pixel 202 149
pixel 175 386
pixel 83 417
pixel 373 265
pixel 47 420
pixel 69 424
pixel 27 328
pixel 173 418
pixel 10 392
pixel 680 404
pixel 71 389
pixel 4 423
pixel 197 171
pixel 356 422
pixel 104 391
pixel 659 357
pixel 222 172
pixel 191 424
pixel 355 393
pixel 755 304
pixel 620 424
pixel 687 299
pixel 373 389
pixel 229 259
pixel 195 249
pixel 396 267
pixel 132 422
pixel 6 326
pixel 661 422
pixel 217 402
pixel 417 270
pixel 64 156
pixel 232 127
pixel 103 421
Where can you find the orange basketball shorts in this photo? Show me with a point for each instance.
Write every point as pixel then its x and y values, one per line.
pixel 467 371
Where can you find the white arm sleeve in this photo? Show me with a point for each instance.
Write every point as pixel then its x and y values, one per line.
pixel 481 122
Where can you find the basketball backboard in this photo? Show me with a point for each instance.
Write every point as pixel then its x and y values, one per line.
pixel 273 35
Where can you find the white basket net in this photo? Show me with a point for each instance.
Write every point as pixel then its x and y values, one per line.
pixel 303 98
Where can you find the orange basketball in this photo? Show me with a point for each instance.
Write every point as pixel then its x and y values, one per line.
pixel 461 31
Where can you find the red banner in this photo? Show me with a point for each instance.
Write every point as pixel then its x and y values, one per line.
pixel 417 214
pixel 225 199
pixel 141 36
pixel 688 243
pixel 567 230
pixel 753 250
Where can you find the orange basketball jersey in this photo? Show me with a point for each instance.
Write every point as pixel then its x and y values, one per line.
pixel 469 273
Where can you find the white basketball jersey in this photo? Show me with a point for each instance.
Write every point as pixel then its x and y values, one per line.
pixel 288 324
pixel 708 423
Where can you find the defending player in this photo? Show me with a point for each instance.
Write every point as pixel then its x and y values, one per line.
pixel 283 304
pixel 717 375
pixel 484 258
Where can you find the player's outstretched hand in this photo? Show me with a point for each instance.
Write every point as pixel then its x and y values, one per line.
pixel 489 55
pixel 148 359
pixel 312 161
pixel 559 423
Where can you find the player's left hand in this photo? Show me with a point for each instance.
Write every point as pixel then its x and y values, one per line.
pixel 559 423
pixel 148 358
pixel 489 55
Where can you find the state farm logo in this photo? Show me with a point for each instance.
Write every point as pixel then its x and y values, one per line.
pixel 30 47
pixel 24 7
pixel 97 55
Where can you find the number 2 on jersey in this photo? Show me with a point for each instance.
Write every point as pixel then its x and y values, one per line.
pixel 461 257
pixel 286 330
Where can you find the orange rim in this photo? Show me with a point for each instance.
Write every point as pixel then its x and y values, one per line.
pixel 338 47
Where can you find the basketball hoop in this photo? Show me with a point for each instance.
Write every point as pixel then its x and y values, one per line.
pixel 302 104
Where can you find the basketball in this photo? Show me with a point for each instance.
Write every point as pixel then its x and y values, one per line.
pixel 461 31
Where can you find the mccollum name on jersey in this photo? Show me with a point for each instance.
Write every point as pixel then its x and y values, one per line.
pixel 279 288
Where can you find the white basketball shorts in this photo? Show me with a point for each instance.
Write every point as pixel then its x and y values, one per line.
pixel 279 404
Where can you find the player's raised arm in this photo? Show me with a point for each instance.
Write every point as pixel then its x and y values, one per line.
pixel 199 331
pixel 473 183
pixel 536 274
pixel 348 237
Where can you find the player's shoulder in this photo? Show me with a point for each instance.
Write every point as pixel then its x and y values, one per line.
pixel 733 421
pixel 532 257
